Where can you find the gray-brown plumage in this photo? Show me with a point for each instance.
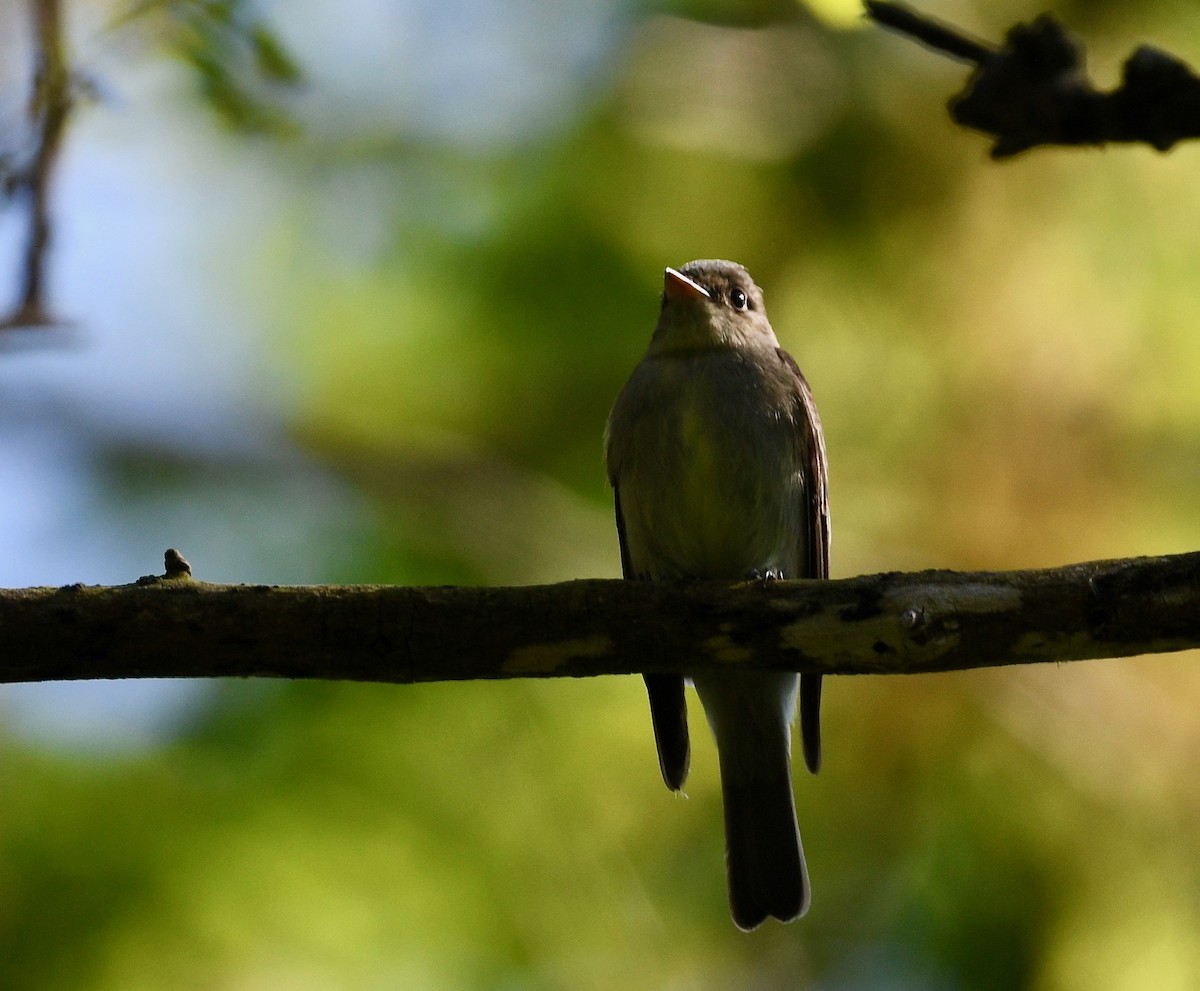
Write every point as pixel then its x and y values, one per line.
pixel 717 463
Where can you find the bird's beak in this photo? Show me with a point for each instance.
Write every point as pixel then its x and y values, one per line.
pixel 678 286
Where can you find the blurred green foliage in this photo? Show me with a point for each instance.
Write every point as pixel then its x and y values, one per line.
pixel 240 66
pixel 1004 358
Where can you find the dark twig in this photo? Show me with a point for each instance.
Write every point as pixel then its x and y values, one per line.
pixel 50 109
pixel 1034 89
pixel 940 37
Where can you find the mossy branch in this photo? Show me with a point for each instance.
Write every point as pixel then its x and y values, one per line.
pixel 174 626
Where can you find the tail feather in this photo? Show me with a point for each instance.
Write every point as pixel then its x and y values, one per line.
pixel 764 857
pixel 810 720
pixel 750 714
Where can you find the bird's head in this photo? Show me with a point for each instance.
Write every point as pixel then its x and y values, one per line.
pixel 711 305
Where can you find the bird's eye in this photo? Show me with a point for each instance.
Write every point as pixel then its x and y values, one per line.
pixel 738 300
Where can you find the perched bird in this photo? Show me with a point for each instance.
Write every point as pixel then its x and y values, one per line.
pixel 717 463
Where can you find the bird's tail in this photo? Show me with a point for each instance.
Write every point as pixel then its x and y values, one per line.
pixel 750 715
pixel 763 854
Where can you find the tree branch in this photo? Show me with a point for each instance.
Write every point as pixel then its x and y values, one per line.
pixel 1034 89
pixel 174 626
pixel 50 109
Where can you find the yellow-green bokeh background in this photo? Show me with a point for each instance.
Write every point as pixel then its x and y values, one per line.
pixel 1005 359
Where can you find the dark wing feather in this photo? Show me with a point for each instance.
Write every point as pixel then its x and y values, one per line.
pixel 626 566
pixel 816 546
pixel 668 703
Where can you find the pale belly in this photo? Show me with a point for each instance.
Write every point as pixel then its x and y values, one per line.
pixel 707 503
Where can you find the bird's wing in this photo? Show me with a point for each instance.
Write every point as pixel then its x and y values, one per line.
pixel 668 703
pixel 815 553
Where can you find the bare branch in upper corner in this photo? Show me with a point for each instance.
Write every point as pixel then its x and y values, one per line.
pixel 175 626
pixel 50 108
pixel 1034 90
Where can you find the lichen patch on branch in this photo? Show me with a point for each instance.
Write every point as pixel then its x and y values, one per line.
pixel 546 658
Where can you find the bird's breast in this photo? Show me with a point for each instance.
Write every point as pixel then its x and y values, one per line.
pixel 710 484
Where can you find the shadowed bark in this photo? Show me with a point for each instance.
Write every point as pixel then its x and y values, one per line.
pixel 895 623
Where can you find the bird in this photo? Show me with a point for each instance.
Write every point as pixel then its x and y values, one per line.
pixel 717 462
